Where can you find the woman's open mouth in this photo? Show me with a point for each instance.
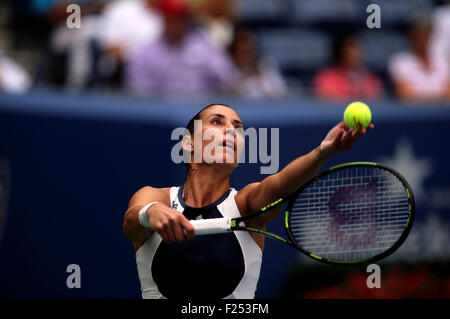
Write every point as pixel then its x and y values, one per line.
pixel 228 144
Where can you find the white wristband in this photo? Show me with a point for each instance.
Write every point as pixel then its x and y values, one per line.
pixel 143 217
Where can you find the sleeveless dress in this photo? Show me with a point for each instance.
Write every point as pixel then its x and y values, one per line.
pixel 211 266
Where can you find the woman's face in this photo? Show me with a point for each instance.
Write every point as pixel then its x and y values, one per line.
pixel 221 135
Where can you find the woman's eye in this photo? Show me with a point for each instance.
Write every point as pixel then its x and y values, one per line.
pixel 215 122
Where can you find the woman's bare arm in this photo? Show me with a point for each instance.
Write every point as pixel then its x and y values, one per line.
pixel 166 221
pixel 255 196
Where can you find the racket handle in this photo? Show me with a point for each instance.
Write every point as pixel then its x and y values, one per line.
pixel 211 226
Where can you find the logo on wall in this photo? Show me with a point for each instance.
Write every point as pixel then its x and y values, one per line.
pixel 415 169
pixel 4 193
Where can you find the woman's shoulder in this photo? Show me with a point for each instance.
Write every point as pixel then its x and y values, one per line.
pixel 148 189
pixel 161 194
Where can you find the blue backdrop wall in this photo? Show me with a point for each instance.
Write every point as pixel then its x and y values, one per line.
pixel 70 163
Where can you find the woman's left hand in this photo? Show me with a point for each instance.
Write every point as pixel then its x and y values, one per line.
pixel 340 139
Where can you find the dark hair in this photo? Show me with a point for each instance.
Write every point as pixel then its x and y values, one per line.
pixel 190 125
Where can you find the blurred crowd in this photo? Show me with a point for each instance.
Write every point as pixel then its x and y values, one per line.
pixel 190 48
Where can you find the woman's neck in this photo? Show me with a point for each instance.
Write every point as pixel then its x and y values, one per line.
pixel 204 186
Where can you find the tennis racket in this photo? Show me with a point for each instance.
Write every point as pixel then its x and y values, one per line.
pixel 353 213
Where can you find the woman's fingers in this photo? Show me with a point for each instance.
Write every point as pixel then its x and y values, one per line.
pixel 340 138
pixel 164 235
pixel 170 224
pixel 356 134
pixel 347 136
pixel 170 233
pixel 175 227
pixel 341 124
pixel 188 229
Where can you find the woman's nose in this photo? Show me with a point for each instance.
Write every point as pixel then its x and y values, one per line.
pixel 230 131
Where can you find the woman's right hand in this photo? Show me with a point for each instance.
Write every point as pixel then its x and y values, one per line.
pixel 170 224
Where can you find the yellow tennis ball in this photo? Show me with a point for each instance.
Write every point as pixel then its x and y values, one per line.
pixel 357 115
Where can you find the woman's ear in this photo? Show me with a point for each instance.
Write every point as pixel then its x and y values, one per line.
pixel 186 144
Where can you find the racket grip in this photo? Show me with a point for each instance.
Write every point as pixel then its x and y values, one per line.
pixel 211 226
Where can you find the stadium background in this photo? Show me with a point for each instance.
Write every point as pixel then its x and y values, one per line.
pixel 71 159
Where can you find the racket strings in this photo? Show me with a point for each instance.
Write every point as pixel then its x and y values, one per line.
pixel 350 214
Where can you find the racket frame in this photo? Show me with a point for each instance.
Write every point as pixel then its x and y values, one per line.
pixel 235 222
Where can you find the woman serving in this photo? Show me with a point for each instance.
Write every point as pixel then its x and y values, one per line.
pixel 171 261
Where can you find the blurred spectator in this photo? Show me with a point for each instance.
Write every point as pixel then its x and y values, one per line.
pixel 419 75
pixel 13 78
pixel 348 78
pixel 126 26
pixel 217 19
pixel 257 78
pixel 441 27
pixel 72 51
pixel 181 62
pixel 29 21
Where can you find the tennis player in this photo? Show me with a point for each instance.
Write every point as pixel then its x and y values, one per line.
pixel 171 261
